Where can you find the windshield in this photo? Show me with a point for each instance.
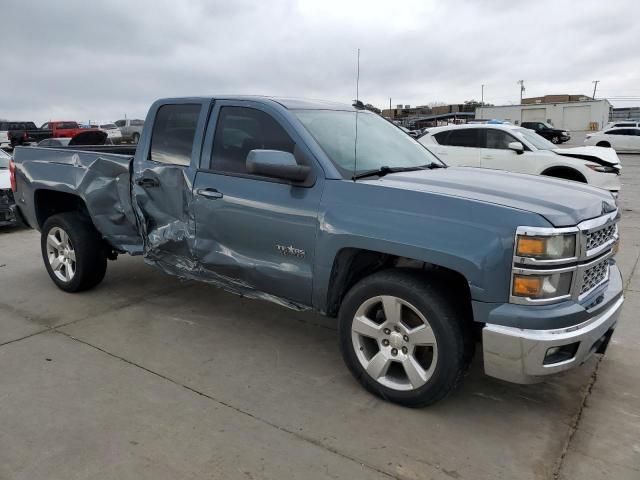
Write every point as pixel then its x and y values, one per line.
pixel 380 143
pixel 108 126
pixel 540 143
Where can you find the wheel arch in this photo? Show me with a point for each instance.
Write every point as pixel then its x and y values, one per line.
pixel 351 265
pixel 565 172
pixel 51 202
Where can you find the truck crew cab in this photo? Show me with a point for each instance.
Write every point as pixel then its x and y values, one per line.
pixel 323 206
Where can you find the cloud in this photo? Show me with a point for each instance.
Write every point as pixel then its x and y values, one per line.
pixel 100 60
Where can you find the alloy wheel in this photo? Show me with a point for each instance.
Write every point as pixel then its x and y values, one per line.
pixel 61 255
pixel 394 343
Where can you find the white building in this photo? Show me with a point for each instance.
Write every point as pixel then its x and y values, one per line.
pixel 565 115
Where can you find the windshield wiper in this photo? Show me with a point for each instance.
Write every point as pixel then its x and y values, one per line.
pixel 385 170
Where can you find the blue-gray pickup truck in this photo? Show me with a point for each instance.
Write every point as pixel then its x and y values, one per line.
pixel 323 206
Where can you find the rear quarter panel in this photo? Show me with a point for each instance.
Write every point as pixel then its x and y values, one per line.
pixel 102 181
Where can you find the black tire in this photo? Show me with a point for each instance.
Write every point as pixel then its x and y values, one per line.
pixel 90 263
pixel 444 316
pixel 135 137
pixel 555 140
pixel 566 174
pixel 603 144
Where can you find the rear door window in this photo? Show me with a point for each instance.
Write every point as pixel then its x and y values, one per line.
pixel 173 133
pixel 464 137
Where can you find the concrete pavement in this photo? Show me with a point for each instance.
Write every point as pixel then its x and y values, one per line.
pixel 150 377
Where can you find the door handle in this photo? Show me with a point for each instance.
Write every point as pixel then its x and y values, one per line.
pixel 210 193
pixel 148 182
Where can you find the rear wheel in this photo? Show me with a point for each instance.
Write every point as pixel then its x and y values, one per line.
pixel 73 252
pixel 603 144
pixel 402 339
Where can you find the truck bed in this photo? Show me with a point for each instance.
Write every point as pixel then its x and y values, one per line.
pixel 102 179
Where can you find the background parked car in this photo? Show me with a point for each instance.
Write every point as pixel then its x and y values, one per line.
pixel 85 137
pixel 6 195
pixel 20 133
pixel 63 128
pixel 620 139
pixel 621 124
pixel 113 132
pixel 516 149
pixel 130 129
pixel 548 131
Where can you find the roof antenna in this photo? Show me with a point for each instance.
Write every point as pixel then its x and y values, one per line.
pixel 356 104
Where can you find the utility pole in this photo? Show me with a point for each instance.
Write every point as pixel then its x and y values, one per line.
pixel 595 85
pixel 521 83
pixel 482 96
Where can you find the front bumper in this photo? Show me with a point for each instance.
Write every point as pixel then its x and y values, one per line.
pixel 521 355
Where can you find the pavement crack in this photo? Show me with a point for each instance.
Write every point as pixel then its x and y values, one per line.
pixel 297 435
pixel 573 427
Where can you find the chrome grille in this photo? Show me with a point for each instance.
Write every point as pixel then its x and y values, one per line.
pixel 594 276
pixel 600 237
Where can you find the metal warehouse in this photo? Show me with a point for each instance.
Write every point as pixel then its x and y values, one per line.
pixel 580 115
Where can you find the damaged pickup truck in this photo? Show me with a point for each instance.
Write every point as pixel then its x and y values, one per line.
pixel 322 206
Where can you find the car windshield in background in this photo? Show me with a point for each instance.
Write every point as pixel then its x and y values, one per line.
pixel 380 143
pixel 536 140
pixel 108 126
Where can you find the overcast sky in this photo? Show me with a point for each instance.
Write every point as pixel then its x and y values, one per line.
pixel 100 60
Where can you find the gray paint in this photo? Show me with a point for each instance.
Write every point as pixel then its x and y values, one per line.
pixel 459 218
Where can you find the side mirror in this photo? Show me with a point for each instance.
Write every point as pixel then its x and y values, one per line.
pixel 516 147
pixel 276 164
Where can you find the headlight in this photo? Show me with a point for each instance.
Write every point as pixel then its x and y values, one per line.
pixel 601 168
pixel 566 134
pixel 546 248
pixel 543 286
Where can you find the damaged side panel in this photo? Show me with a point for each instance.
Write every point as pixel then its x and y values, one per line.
pixel 101 181
pixel 220 240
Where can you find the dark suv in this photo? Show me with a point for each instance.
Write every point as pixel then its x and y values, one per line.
pixel 547 131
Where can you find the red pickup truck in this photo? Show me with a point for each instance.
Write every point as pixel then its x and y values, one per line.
pixel 63 128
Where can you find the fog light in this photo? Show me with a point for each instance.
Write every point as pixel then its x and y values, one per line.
pixel 560 353
pixel 552 351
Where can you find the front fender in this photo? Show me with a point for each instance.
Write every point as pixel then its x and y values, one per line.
pixel 472 238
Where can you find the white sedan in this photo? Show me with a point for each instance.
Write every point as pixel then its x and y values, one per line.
pixel 625 139
pixel 114 135
pixel 517 149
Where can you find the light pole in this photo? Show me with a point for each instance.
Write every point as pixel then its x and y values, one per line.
pixel 482 96
pixel 595 85
pixel 521 83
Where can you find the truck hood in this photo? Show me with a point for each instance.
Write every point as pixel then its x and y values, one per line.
pixel 600 155
pixel 563 203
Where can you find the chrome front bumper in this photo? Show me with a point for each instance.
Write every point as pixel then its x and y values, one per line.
pixel 522 356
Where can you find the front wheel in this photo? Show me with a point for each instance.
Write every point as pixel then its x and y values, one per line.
pixel 73 252
pixel 555 140
pixel 402 339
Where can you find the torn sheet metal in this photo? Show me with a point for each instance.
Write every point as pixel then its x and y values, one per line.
pixel 101 180
pixel 164 205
